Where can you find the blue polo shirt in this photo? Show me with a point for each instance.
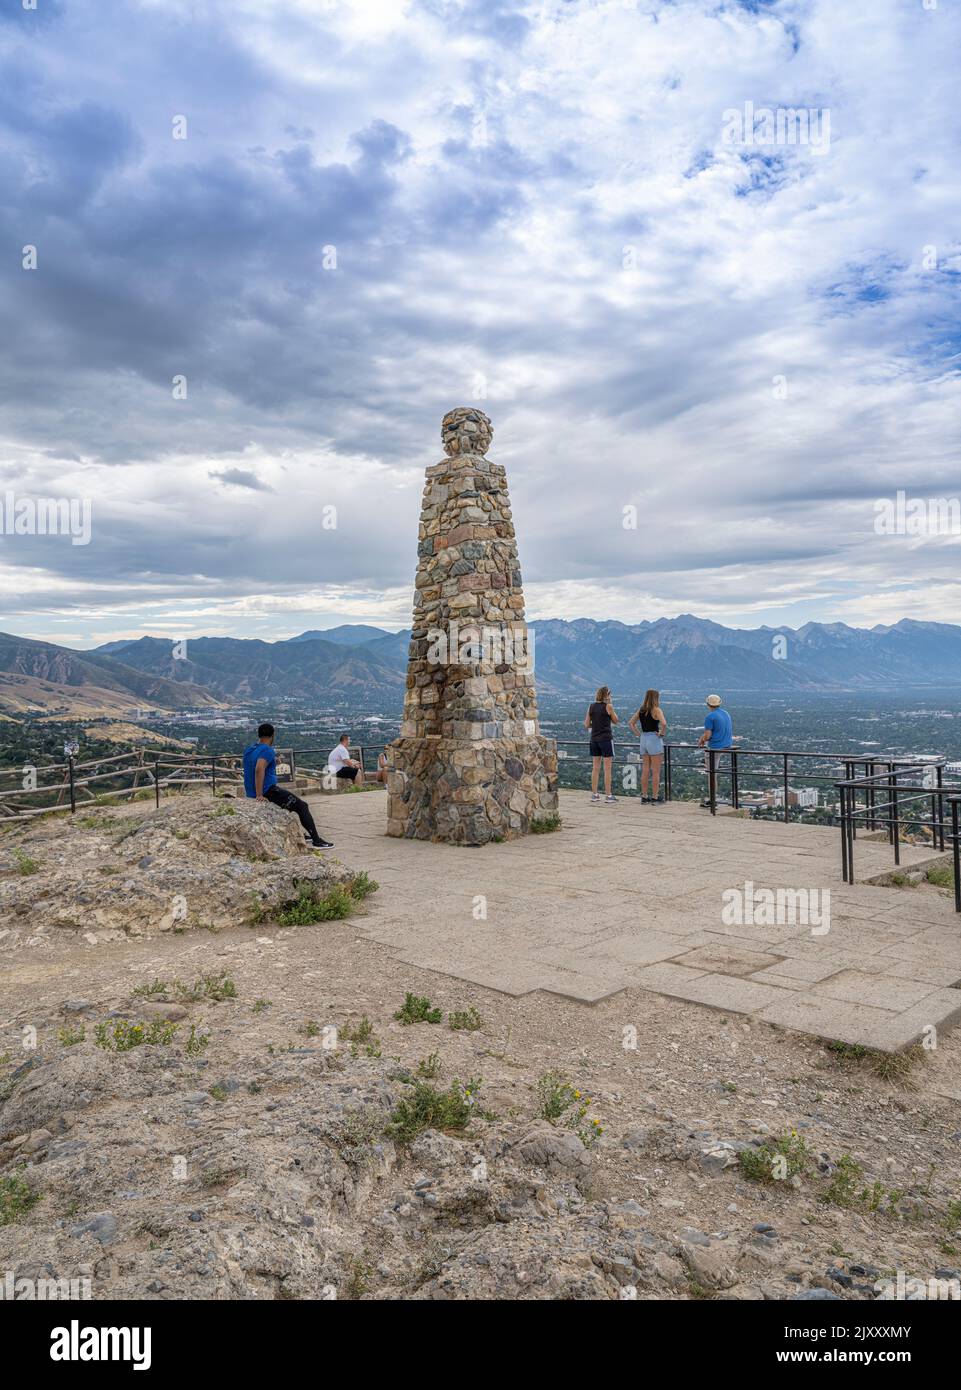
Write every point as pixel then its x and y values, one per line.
pixel 722 730
pixel 252 757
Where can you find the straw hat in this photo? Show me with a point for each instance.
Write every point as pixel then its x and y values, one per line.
pixel 713 701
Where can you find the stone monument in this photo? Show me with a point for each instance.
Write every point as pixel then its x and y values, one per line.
pixel 470 764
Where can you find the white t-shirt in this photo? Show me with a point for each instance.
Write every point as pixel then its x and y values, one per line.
pixel 339 756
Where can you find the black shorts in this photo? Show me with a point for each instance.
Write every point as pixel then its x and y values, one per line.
pixel 602 748
pixel 350 772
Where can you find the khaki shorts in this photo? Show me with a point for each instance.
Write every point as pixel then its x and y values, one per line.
pixel 718 755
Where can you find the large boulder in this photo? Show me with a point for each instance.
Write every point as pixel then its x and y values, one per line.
pixel 196 862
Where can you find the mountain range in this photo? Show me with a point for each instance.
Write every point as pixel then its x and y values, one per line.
pixel 689 654
pixel 42 678
pixel 684 655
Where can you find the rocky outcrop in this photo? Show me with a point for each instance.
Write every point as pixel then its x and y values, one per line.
pixel 256 1173
pixel 163 1175
pixel 196 862
pixel 242 1151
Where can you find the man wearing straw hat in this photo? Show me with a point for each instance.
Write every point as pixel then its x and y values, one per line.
pixel 718 732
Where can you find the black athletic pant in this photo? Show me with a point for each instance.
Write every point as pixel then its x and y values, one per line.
pixel 288 802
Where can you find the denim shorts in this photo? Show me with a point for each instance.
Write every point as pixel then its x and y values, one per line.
pixel 652 745
pixel 602 748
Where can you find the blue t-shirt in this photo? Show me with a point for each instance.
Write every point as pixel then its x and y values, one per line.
pixel 252 757
pixel 722 730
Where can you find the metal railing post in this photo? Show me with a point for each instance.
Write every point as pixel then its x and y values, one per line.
pixel 895 825
pixel 939 829
pixel 735 789
pixel 213 776
pixel 156 782
pixel 786 787
pixel 890 789
pixel 937 819
pixel 712 779
pixel 955 803
pixel 854 803
pixel 73 792
pixel 842 811
pixel 667 772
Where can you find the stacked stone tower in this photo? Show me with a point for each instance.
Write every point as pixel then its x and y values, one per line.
pixel 470 764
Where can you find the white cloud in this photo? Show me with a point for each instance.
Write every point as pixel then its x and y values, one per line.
pixel 779 352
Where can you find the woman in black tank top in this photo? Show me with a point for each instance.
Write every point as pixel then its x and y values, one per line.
pixel 650 717
pixel 600 718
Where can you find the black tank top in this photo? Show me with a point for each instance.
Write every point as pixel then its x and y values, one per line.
pixel 649 725
pixel 600 720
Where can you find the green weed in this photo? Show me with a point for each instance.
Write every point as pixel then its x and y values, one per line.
pixel 417 1009
pixel 428 1108
pixel 464 1020
pixel 784 1157
pixel 120 1035
pixel 16 1199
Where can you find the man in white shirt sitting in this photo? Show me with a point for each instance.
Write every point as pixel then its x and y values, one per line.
pixel 344 767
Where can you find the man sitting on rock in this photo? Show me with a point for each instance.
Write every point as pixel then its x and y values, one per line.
pixel 260 782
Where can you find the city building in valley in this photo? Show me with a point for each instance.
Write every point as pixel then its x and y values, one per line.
pixel 804 798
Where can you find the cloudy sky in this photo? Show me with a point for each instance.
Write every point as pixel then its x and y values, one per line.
pixel 385 208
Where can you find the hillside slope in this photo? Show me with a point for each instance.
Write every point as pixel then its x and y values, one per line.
pixel 43 677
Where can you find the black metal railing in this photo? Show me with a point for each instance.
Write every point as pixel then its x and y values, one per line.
pixel 728 770
pixel 732 765
pixel 67 785
pixel 909 798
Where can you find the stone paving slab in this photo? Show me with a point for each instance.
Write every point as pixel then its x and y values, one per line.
pixel 883 991
pixel 804 970
pixel 723 958
pixel 578 985
pixel 631 898
pixel 646 948
pixel 938 1011
pixel 929 913
pixel 923 970
pixel 771 977
pixel 828 1018
pixel 580 962
pixel 728 992
pixel 667 978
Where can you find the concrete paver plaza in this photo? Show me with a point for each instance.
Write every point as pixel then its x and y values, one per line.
pixel 632 896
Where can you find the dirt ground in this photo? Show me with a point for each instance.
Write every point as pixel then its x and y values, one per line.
pixel 654 1206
